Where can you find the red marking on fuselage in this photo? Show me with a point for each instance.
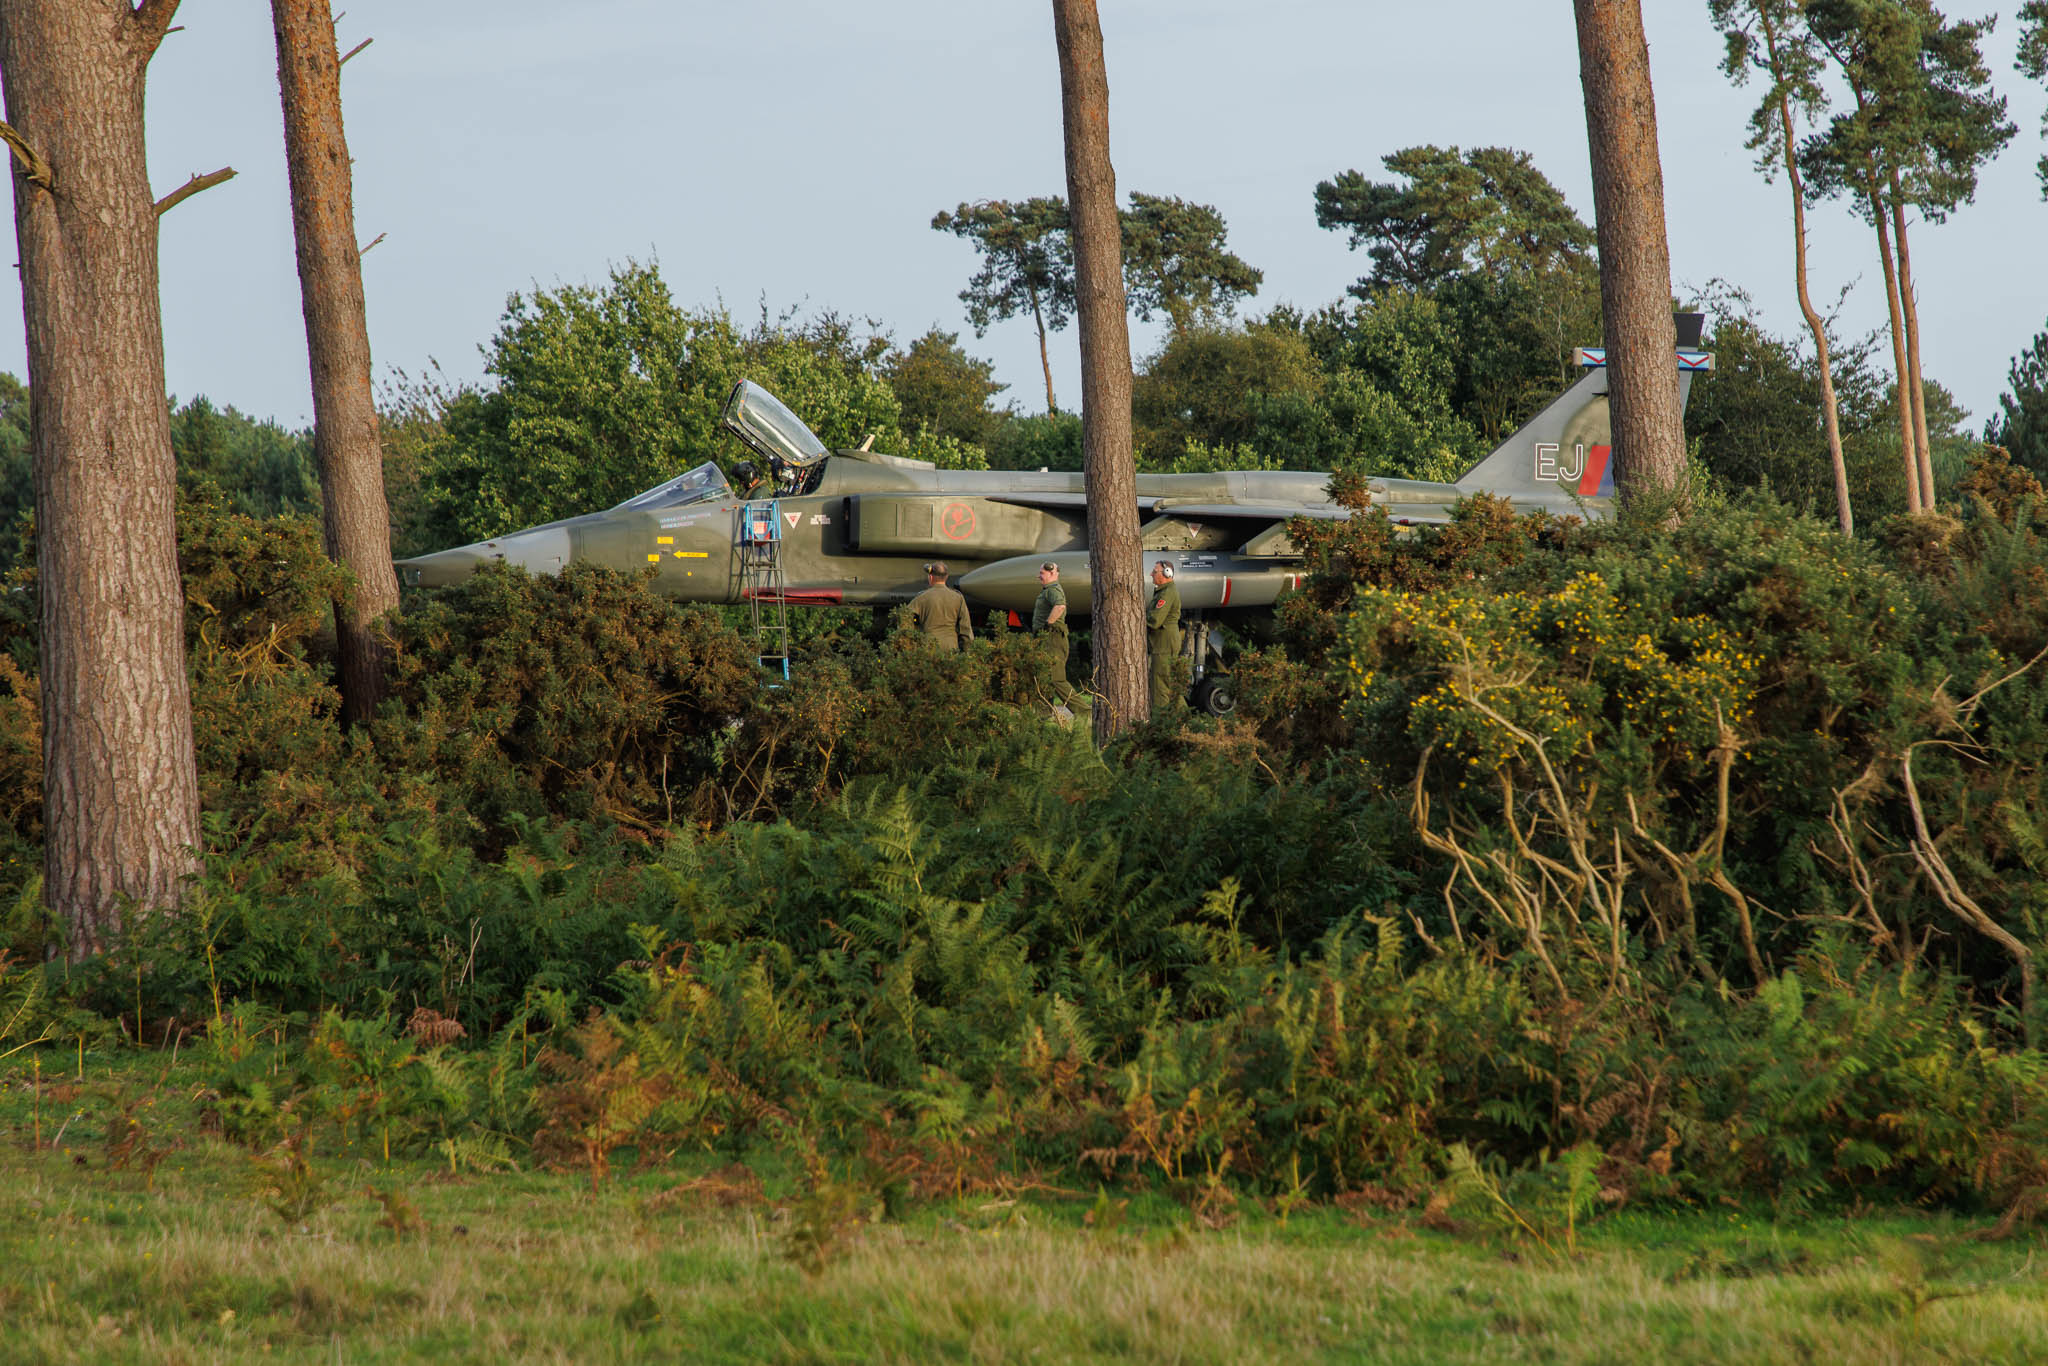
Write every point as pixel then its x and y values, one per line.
pixel 801 597
pixel 1226 591
pixel 1596 469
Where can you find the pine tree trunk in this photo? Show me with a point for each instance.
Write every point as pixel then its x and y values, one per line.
pixel 120 785
pixel 1115 564
pixel 1901 390
pixel 1044 356
pixel 1923 449
pixel 1831 422
pixel 1635 258
pixel 357 519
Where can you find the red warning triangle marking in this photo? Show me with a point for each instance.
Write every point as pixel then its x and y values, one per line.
pixel 791 517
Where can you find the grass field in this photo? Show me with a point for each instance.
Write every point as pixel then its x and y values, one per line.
pixel 169 1246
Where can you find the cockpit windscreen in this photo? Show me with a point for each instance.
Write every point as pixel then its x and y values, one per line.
pixel 700 485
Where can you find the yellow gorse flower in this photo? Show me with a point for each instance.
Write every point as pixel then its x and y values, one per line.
pixel 1496 671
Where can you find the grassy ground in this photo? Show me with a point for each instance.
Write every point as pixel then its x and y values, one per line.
pixel 170 1247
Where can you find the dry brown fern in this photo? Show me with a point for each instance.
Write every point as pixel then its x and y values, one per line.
pixel 432 1029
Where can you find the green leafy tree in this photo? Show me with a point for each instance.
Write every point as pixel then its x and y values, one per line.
pixel 1390 402
pixel 1175 262
pixel 1173 254
pixel 1202 384
pixel 2022 422
pixel 1352 425
pixel 1517 341
pixel 1486 210
pixel 255 466
pixel 1397 397
pixel 1504 343
pixel 2033 62
pixel 1038 441
pixel 1924 122
pixel 584 409
pixel 943 390
pixel 259 468
pixel 1260 396
pixel 1027 266
pixel 602 392
pixel 1488 237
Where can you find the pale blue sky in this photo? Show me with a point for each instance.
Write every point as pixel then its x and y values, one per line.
pixel 795 151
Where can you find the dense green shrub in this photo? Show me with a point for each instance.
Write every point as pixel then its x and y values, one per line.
pixel 570 695
pixel 1714 854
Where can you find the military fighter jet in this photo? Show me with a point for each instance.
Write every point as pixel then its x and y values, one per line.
pixel 832 528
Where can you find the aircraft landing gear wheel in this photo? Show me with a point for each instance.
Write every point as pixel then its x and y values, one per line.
pixel 1213 696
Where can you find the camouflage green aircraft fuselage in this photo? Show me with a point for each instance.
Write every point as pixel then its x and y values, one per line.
pixel 858 527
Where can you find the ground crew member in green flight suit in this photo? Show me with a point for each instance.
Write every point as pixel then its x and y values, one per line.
pixel 1162 639
pixel 941 613
pixel 1049 626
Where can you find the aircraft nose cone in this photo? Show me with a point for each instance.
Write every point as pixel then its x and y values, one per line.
pixel 544 550
pixel 443 568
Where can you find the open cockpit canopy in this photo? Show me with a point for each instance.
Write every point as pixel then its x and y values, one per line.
pixel 779 436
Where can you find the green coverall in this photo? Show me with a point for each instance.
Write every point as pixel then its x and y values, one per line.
pixel 1052 642
pixel 1162 644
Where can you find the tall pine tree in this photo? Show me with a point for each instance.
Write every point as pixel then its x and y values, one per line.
pixel 1110 472
pixel 1635 255
pixel 355 516
pixel 120 781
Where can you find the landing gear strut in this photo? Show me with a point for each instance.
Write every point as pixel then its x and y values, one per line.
pixel 1211 694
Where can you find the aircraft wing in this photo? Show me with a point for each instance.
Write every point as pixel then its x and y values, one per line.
pixel 1169 507
pixel 1277 515
pixel 1255 512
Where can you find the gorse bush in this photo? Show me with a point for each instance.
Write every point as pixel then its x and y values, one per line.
pixel 1727 737
pixel 1544 859
pixel 573 695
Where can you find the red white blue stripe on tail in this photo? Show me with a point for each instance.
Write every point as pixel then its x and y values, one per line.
pixel 1689 362
pixel 1598 480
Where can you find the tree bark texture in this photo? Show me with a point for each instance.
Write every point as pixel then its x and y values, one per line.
pixel 1902 389
pixel 1923 450
pixel 356 516
pixel 1115 560
pixel 1635 257
pixel 120 783
pixel 1830 414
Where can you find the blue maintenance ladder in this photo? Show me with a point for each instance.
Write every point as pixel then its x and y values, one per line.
pixel 757 541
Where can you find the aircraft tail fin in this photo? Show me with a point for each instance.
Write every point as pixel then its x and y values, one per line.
pixel 1568 446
